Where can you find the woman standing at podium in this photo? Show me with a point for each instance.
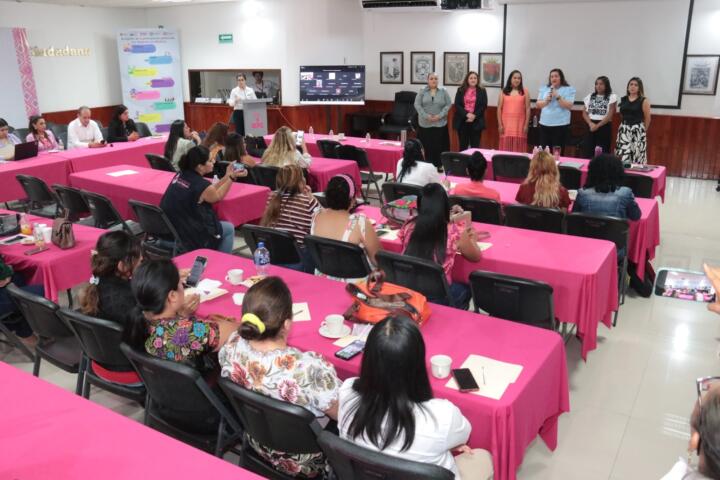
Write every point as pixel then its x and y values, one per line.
pixel 237 96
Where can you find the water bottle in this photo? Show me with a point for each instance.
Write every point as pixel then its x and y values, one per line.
pixel 262 260
pixel 367 138
pixel 403 137
pixel 38 236
pixel 25 227
pixel 598 151
pixel 215 179
pixel 535 121
pixel 331 133
pixel 60 144
pixel 311 132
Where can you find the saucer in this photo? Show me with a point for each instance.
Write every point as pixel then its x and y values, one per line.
pixel 343 333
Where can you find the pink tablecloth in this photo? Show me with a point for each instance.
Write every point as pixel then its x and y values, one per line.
pixel 505 427
pixel 51 167
pixel 57 270
pixel 659 174
pixel 49 432
pixel 123 153
pixel 242 204
pixel 582 271
pixel 383 155
pixel 323 169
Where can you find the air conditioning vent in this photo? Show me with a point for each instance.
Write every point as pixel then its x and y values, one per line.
pixel 401 4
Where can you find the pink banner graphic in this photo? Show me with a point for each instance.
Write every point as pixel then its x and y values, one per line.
pixel 22 51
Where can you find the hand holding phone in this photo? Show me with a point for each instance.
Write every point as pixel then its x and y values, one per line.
pixel 463 219
pixel 196 271
pixel 299 138
pixel 238 167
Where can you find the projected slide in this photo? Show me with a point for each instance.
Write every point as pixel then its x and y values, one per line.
pixel 343 84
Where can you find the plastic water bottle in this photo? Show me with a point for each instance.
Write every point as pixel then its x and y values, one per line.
pixel 598 151
pixel 215 179
pixel 403 137
pixel 262 260
pixel 367 138
pixel 311 131
pixel 535 121
pixel 60 144
pixel 331 133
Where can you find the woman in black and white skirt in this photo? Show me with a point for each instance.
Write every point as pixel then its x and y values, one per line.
pixel 631 144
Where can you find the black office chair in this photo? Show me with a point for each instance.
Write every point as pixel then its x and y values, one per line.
pixel 255 146
pixel 483 210
pixel 99 123
pixel 616 230
pixel 266 176
pixel 417 274
pixel 106 215
pixel 352 462
pixel 72 201
pixel 336 258
pixel 159 162
pixel 534 218
pixel 281 244
pixel 513 298
pixel 327 148
pixel 161 239
pixel 56 342
pixel 392 191
pixel 400 118
pixel 104 132
pixel 321 198
pixel 143 129
pixel 60 131
pixel 42 200
pixel 455 164
pixel 100 342
pixel 275 424
pixel 367 176
pixel 21 133
pixel 181 404
pixel 641 185
pixel 570 177
pixel 510 167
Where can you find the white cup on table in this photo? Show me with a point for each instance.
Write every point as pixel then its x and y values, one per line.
pixel 333 324
pixel 235 276
pixel 47 234
pixel 440 366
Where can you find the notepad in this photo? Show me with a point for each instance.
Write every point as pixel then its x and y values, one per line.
pixel 238 299
pixel 493 376
pixel 122 173
pixel 301 312
pixel 393 144
pixel 386 234
pixel 206 295
pixel 484 245
pixel 577 165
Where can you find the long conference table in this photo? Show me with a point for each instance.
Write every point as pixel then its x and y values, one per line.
pixel 529 407
pixel 50 433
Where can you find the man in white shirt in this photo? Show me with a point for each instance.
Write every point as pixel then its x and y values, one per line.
pixel 84 132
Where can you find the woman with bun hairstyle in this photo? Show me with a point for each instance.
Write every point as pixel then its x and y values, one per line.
pixel 258 357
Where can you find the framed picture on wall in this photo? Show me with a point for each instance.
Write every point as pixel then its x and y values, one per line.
pixel 490 69
pixel 391 67
pixel 455 67
pixel 421 65
pixel 701 74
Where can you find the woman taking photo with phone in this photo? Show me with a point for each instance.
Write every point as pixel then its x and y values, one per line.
pixel 432 104
pixel 282 150
pixel 555 100
pixel 598 113
pixel 237 96
pixel 631 143
pixel 470 104
pixel 513 114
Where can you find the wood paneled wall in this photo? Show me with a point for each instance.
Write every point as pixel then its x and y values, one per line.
pixel 687 146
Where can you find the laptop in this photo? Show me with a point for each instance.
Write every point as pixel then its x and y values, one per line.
pixel 26 150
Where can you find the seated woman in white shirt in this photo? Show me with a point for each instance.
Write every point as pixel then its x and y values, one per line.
pixel 392 410
pixel 413 169
pixel 179 142
pixel 282 151
pixel 84 132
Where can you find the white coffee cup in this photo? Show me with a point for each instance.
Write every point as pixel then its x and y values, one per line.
pixel 333 324
pixel 440 365
pixel 235 276
pixel 47 234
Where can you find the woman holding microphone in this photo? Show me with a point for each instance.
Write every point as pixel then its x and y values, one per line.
pixel 470 105
pixel 555 100
pixel 237 96
pixel 432 105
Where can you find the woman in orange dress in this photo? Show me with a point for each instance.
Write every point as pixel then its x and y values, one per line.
pixel 513 114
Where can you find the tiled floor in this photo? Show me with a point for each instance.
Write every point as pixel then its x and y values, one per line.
pixel 631 401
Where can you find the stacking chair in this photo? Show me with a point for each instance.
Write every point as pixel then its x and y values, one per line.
pixel 72 201
pixel 483 210
pixel 392 191
pixel 275 424
pixel 513 298
pixel 181 404
pixel 281 244
pixel 514 168
pixel 327 148
pixel 352 462
pixel 367 176
pixel 616 230
pixel 56 342
pixel 43 201
pixel 455 164
pixel 143 129
pixel 10 338
pixel 641 185
pixel 21 133
pixel 423 276
pixel 336 258
pixel 255 146
pixel 106 215
pixel 570 177
pixel 100 342
pixel 266 176
pixel 161 240
pixel 534 218
pixel 159 162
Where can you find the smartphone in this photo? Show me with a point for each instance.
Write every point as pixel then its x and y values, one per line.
pixel 196 271
pixel 684 284
pixel 36 250
pixel 10 241
pixel 465 380
pixel 238 167
pixel 299 137
pixel 352 350
pixel 463 219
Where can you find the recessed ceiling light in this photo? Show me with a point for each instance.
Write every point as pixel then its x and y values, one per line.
pixel 171 1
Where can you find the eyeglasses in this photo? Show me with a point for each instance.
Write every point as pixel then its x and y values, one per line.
pixel 704 385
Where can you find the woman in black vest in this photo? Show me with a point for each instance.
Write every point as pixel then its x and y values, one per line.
pixel 470 103
pixel 631 144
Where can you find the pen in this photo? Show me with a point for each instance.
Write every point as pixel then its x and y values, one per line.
pixel 483 372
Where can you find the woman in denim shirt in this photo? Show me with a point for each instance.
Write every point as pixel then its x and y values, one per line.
pixel 603 193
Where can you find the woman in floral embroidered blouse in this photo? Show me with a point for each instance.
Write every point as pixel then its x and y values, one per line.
pixel 258 357
pixel 41 134
pixel 163 325
pixel 432 236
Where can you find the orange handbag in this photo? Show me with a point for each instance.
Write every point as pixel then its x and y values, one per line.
pixel 374 300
